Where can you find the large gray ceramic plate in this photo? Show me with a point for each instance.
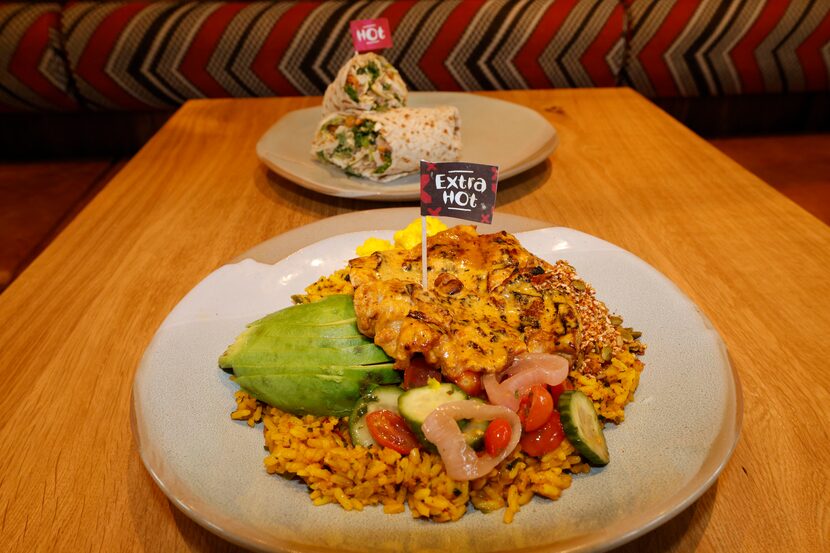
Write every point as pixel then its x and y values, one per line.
pixel 493 131
pixel 677 436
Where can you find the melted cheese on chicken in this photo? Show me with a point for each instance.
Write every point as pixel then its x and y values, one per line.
pixel 488 300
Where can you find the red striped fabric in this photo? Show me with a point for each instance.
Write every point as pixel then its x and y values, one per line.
pixel 149 55
pixel 26 60
pixel 726 47
pixel 194 65
pixel 275 46
pixel 396 11
pixel 816 67
pixel 527 60
pixel 652 55
pixel 285 48
pixel 92 61
pixel 33 75
pixel 594 58
pixel 432 63
pixel 743 54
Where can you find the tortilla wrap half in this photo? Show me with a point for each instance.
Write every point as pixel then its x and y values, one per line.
pixel 366 82
pixel 383 146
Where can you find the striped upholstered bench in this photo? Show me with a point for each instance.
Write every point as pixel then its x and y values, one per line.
pixel 139 56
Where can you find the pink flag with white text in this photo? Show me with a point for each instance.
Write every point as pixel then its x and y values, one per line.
pixel 370 34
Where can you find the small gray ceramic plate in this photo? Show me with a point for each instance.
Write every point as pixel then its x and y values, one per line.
pixel 678 433
pixel 522 139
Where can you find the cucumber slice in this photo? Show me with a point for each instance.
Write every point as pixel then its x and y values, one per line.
pixel 382 397
pixel 416 404
pixel 583 428
pixel 473 431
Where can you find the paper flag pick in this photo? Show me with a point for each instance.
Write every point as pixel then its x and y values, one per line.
pixel 458 189
pixel 370 34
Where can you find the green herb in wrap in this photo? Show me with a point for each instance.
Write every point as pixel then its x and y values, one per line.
pixel 383 146
pixel 367 82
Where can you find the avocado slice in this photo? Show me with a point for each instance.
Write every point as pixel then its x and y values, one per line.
pixel 329 323
pixel 334 309
pixel 340 329
pixel 309 358
pixel 314 394
pixel 276 338
pixel 365 354
pixel 381 372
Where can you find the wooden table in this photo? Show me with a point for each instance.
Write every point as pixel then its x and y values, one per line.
pixel 74 325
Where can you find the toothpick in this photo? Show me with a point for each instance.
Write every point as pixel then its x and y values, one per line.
pixel 424 282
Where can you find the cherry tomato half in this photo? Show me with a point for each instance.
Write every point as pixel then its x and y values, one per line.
pixel 535 407
pixel 470 382
pixel 556 391
pixel 418 373
pixel 497 436
pixel 390 430
pixel 545 439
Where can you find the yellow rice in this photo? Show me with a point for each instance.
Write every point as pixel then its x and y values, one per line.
pixel 319 451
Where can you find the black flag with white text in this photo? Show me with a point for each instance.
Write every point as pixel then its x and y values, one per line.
pixel 459 189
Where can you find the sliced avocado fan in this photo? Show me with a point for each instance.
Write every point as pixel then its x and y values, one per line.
pixel 308 359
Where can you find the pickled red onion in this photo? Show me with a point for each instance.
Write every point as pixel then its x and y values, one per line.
pixel 527 370
pixel 529 360
pixel 461 461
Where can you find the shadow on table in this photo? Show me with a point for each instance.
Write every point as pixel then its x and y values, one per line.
pixel 302 200
pixel 689 525
pixel 284 192
pixel 518 186
pixel 199 539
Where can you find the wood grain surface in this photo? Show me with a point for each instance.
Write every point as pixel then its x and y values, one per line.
pixel 74 325
pixel 37 200
pixel 798 166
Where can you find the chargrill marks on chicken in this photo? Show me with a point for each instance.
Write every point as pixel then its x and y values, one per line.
pixel 488 300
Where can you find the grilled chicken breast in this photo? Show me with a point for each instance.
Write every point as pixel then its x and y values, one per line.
pixel 488 300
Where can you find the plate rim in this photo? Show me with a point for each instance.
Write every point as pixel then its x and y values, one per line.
pixel 389 192
pixel 722 446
